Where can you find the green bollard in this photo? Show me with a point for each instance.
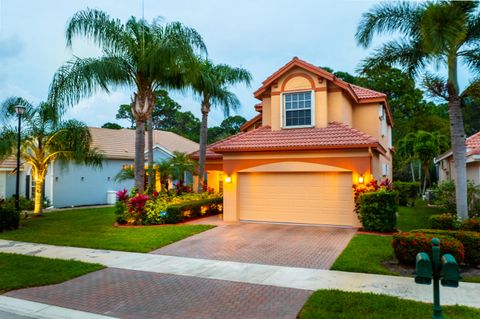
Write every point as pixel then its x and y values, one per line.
pixel 437 309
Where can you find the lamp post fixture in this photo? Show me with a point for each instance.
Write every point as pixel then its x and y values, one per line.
pixel 19 109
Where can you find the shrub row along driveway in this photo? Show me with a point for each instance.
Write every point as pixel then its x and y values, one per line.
pixel 269 244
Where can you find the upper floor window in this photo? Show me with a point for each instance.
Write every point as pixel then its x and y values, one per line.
pixel 298 109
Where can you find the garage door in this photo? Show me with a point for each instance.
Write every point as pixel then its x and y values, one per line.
pixel 311 198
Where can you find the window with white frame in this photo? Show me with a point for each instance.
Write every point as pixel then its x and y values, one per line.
pixel 297 109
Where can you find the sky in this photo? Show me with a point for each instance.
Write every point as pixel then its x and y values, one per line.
pixel 260 36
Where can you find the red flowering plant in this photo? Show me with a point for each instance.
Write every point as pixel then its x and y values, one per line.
pixel 136 209
pixel 372 186
pixel 181 188
pixel 122 195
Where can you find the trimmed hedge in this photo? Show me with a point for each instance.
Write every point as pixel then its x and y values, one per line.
pixel 407 245
pixel 444 221
pixel 180 212
pixel 378 211
pixel 9 217
pixel 407 192
pixel 470 241
pixel 472 224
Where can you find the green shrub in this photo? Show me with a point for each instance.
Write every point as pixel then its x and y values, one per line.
pixel 407 192
pixel 179 212
pixel 407 245
pixel 24 203
pixel 378 211
pixel 472 224
pixel 444 221
pixel 470 241
pixel 444 194
pixel 9 216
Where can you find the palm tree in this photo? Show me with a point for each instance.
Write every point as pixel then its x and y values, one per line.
pixel 210 83
pixel 46 138
pixel 182 163
pixel 140 55
pixel 442 33
pixel 404 150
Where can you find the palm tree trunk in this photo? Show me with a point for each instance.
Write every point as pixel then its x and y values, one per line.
pixel 139 155
pixel 38 197
pixel 413 171
pixel 203 144
pixel 151 180
pixel 457 134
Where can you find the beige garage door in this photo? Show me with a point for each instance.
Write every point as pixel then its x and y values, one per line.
pixel 311 198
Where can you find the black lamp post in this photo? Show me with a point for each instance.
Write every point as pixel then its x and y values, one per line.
pixel 19 109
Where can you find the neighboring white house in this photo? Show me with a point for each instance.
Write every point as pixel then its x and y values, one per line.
pixel 446 165
pixel 71 184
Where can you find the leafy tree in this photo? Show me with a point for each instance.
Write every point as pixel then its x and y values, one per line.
pixel 125 113
pixel 181 163
pixel 113 126
pixel 442 33
pixel 229 126
pixel 46 138
pixel 140 55
pixel 210 84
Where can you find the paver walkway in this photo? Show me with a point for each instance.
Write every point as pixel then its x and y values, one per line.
pixel 267 244
pixel 140 294
pixel 278 276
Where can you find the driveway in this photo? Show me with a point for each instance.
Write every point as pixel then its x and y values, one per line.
pixel 270 244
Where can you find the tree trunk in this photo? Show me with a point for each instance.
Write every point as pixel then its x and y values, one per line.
pixel 139 155
pixel 457 134
pixel 203 143
pixel 413 171
pixel 151 179
pixel 38 197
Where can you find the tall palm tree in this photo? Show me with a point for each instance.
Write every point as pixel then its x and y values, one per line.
pixel 211 84
pixel 442 33
pixel 46 138
pixel 139 55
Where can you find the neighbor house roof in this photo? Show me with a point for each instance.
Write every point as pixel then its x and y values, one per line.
pixel 334 136
pixel 9 162
pixel 473 148
pixel 359 94
pixel 120 144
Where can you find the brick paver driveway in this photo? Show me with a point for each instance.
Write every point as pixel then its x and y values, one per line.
pixel 139 295
pixel 271 244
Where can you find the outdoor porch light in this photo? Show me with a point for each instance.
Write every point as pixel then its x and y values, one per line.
pixel 228 179
pixel 360 179
pixel 20 109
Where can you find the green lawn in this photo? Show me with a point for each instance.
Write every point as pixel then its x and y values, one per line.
pixel 93 228
pixel 349 305
pixel 18 271
pixel 415 217
pixel 365 253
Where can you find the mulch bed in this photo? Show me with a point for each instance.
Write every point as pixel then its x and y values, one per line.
pixel 368 232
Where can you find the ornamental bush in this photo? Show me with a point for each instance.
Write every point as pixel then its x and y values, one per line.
pixel 407 192
pixel 407 245
pixel 378 211
pixel 470 241
pixel 191 209
pixel 9 216
pixel 444 221
pixel 472 224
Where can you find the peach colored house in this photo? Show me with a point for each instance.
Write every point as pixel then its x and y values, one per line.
pixel 295 162
pixel 446 165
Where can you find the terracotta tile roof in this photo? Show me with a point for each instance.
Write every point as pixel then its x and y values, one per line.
pixel 364 93
pixel 257 120
pixel 121 143
pixel 473 144
pixel 211 154
pixel 335 135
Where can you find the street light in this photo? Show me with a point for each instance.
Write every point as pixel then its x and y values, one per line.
pixel 19 109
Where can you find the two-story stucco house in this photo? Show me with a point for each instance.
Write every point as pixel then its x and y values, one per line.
pixel 295 162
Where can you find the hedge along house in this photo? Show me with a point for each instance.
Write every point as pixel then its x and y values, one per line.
pixel 71 184
pixel 295 162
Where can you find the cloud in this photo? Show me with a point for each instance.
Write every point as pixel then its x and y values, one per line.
pixel 10 47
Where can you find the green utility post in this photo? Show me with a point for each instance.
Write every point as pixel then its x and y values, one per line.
pixel 444 270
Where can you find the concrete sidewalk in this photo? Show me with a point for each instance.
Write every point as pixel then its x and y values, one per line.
pixel 279 276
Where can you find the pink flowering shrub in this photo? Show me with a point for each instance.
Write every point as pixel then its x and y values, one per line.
pixel 136 209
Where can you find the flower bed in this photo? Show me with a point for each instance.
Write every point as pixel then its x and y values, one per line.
pixel 165 208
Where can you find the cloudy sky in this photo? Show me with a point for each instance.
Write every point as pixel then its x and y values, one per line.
pixel 258 35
